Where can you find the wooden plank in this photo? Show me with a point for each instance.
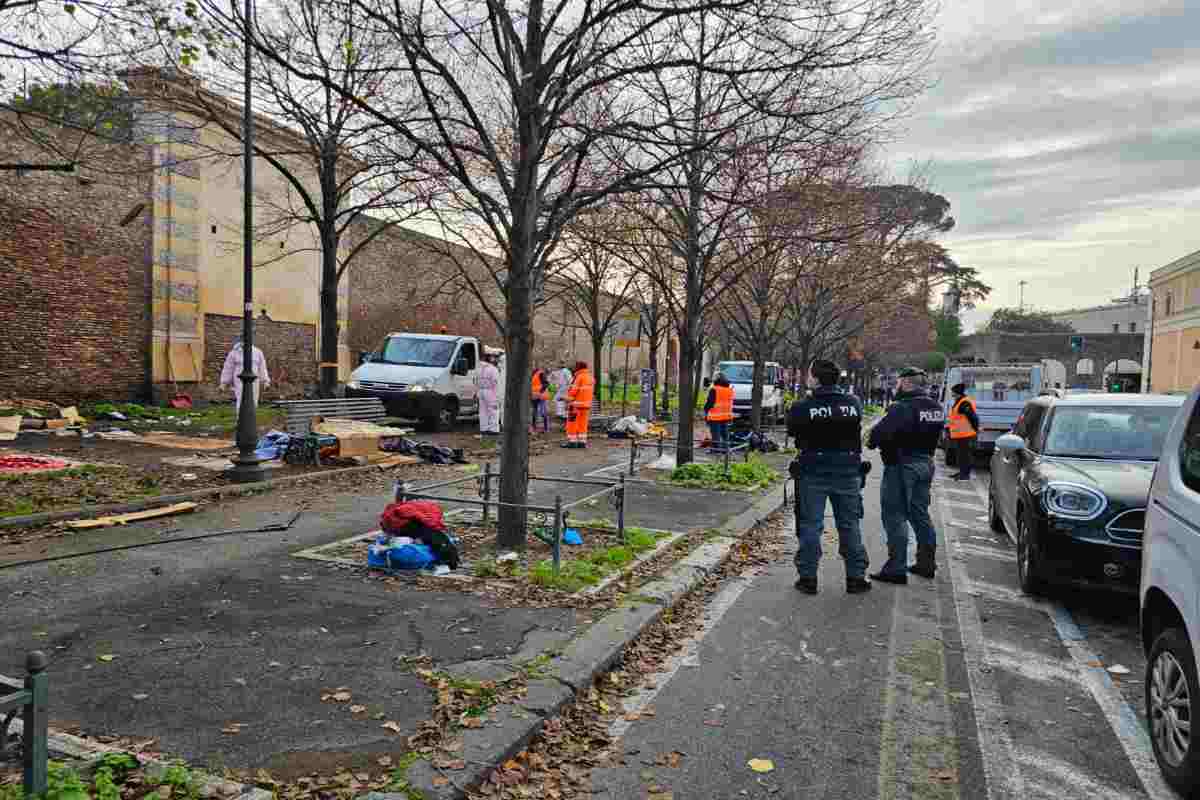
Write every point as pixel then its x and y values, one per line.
pixel 133 516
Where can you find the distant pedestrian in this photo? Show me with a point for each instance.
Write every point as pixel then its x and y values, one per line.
pixel 562 383
pixel 827 428
pixel 718 410
pixel 964 430
pixel 907 438
pixel 488 382
pixel 540 393
pixel 231 372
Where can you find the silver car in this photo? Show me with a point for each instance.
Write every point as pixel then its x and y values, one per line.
pixel 1170 602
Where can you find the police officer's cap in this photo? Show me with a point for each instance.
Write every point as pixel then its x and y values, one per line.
pixel 912 372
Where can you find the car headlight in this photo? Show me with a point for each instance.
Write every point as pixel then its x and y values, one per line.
pixel 421 386
pixel 1073 501
pixel 353 385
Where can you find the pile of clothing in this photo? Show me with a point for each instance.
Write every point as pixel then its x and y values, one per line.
pixel 633 427
pixel 757 441
pixel 428 451
pixel 413 536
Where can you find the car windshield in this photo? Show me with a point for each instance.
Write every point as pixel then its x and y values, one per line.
pixel 1109 432
pixel 737 373
pixel 413 352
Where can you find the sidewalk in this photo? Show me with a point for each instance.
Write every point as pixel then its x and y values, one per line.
pixel 222 649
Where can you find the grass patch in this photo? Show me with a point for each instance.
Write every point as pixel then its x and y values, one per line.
pixel 398 779
pixel 579 573
pixel 750 476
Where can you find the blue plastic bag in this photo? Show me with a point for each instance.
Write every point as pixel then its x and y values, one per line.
pixel 571 536
pixel 411 556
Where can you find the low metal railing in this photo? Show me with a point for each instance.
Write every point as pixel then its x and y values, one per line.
pixel 31 700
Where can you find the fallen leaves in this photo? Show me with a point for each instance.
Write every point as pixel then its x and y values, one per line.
pixel 392 726
pixel 106 658
pixel 357 709
pixel 761 764
pixel 233 728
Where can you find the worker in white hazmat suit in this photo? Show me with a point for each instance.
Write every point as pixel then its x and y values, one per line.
pixel 232 370
pixel 488 381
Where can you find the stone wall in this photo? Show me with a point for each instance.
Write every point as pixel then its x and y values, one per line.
pixel 289 348
pixel 1098 351
pixel 75 276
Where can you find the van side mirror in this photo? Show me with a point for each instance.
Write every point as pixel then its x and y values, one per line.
pixel 363 358
pixel 1011 443
pixel 460 366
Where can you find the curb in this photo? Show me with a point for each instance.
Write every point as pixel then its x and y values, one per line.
pixel 580 662
pixel 32 520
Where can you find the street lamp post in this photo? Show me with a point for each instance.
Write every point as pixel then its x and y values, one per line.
pixel 246 465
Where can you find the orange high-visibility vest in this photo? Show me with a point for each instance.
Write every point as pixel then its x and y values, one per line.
pixel 582 388
pixel 538 387
pixel 960 426
pixel 722 410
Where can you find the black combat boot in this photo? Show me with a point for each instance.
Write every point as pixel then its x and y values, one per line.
pixel 888 576
pixel 807 585
pixel 857 585
pixel 926 565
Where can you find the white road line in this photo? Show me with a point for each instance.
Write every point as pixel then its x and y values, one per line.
pixel 1121 718
pixel 1000 767
pixel 1034 666
pixel 984 552
pixel 1067 780
pixel 1003 594
pixel 689 654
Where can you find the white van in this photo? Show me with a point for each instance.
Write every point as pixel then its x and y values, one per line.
pixel 422 376
pixel 740 375
pixel 1170 595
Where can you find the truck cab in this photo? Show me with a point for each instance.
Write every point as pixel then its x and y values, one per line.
pixel 1000 393
pixel 740 375
pixel 422 376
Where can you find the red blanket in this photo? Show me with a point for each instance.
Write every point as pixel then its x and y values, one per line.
pixel 398 516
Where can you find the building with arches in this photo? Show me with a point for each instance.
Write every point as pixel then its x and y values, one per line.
pixel 1101 361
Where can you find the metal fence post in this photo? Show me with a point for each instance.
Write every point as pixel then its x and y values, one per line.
pixel 621 510
pixel 487 488
pixel 726 459
pixel 633 448
pixel 36 720
pixel 401 491
pixel 660 445
pixel 556 548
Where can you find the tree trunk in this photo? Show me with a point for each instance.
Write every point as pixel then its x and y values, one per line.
pixel 328 376
pixel 518 345
pixel 598 364
pixel 654 367
pixel 687 399
pixel 756 391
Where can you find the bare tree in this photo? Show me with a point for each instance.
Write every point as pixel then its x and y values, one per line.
pixel 599 286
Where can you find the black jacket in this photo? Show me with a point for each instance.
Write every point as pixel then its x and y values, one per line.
pixel 829 419
pixel 711 401
pixel 967 411
pixel 912 427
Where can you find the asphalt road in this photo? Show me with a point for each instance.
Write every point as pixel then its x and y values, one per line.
pixel 957 688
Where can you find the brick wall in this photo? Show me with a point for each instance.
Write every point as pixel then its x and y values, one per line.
pixel 289 347
pixel 74 281
pixel 406 281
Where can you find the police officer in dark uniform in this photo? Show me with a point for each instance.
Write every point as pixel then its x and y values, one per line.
pixel 908 437
pixel 827 427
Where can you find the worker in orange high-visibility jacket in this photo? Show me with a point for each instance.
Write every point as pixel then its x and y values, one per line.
pixel 963 425
pixel 579 399
pixel 540 393
pixel 718 410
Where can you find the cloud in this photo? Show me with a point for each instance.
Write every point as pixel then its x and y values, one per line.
pixel 1066 139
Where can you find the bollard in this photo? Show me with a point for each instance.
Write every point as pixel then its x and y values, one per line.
pixel 660 445
pixel 556 548
pixel 621 510
pixel 36 720
pixel 487 488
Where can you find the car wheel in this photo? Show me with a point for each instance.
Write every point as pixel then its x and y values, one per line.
pixel 1028 567
pixel 994 519
pixel 1171 691
pixel 446 418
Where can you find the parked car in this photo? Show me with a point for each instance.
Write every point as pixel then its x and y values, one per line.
pixel 1170 592
pixel 1070 484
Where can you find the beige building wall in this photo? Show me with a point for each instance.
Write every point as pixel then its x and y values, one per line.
pixel 1175 318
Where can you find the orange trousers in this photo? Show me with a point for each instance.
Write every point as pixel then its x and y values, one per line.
pixel 577 424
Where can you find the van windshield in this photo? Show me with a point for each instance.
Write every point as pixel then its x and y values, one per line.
pixel 736 373
pixel 412 352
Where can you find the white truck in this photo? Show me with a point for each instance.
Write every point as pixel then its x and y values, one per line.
pixel 1000 393
pixel 740 375
pixel 422 376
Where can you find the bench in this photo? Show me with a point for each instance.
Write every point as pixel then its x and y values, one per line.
pixel 301 412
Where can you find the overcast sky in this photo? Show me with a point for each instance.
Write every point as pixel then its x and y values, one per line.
pixel 1066 135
